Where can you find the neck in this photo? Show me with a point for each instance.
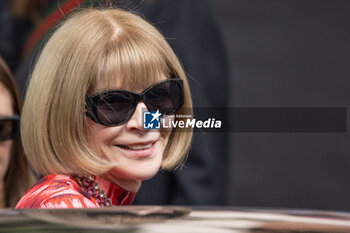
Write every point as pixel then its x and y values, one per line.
pixel 129 185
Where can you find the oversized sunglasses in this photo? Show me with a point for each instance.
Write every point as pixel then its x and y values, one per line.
pixel 9 127
pixel 115 107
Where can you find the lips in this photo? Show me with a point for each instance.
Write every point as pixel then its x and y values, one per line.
pixel 136 147
pixel 138 150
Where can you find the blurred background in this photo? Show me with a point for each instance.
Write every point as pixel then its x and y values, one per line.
pixel 288 53
pixel 245 53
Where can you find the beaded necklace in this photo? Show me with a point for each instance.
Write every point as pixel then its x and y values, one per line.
pixel 93 189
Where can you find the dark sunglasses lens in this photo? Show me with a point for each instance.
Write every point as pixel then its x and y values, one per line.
pixel 115 107
pixel 8 129
pixel 166 97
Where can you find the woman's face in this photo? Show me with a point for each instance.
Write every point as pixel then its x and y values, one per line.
pixel 5 146
pixel 138 152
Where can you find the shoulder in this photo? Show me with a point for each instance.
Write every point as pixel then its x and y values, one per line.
pixel 56 191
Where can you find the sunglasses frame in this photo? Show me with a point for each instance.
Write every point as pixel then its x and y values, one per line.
pixel 91 101
pixel 15 133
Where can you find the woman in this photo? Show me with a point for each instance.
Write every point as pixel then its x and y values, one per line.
pixel 82 118
pixel 15 176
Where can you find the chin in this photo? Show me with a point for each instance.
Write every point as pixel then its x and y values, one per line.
pixel 136 173
pixel 142 176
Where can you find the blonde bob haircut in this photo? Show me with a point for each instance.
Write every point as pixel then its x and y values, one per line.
pixel 93 50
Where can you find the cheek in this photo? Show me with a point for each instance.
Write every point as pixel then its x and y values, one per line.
pixel 166 131
pixel 100 137
pixel 167 126
pixel 94 135
pixel 165 137
pixel 5 150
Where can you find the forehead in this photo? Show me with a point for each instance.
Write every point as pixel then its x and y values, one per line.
pixel 6 108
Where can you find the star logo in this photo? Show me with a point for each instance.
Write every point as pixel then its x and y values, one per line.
pixel 151 120
pixel 155 115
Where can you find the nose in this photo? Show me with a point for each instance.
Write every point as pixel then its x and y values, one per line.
pixel 136 121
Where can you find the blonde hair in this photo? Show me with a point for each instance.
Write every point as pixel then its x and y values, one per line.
pixel 93 49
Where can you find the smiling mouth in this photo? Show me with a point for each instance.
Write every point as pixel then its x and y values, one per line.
pixel 136 147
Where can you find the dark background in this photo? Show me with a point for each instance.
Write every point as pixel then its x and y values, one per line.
pixel 289 53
